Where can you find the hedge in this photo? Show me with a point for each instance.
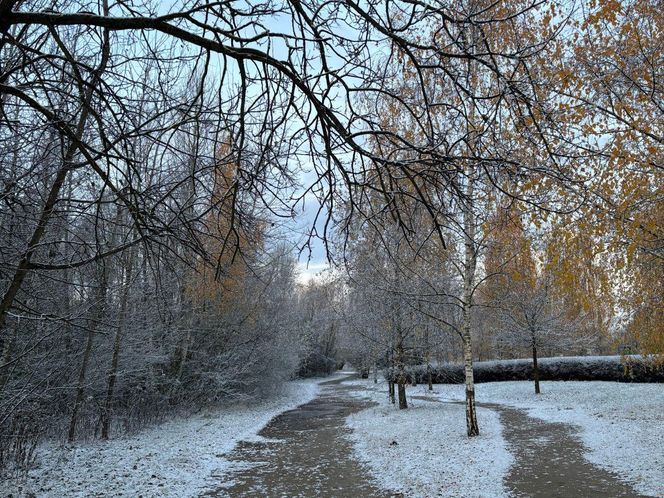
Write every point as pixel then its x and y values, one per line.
pixel 611 368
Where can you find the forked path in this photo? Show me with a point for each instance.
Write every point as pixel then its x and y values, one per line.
pixel 305 453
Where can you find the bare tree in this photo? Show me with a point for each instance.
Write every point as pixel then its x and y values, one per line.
pixel 530 318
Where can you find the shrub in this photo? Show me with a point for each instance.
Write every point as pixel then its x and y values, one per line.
pixel 316 364
pixel 610 368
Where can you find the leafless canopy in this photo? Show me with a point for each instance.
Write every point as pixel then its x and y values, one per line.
pixel 301 87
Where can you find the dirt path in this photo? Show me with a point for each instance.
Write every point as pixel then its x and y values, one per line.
pixel 305 454
pixel 550 462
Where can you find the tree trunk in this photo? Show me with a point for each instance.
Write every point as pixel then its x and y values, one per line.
pixel 390 382
pixel 470 251
pixel 182 360
pixel 97 316
pixel 112 374
pixel 536 373
pixel 5 360
pixel 429 377
pixel 375 370
pixel 401 379
pixel 428 358
pixel 183 356
pixel 471 415
pixel 67 287
pixel 470 262
pixel 403 403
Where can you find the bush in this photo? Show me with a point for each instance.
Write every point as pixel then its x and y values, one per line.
pixel 18 442
pixel 610 368
pixel 316 364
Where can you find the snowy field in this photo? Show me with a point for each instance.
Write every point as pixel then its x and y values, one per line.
pixel 432 455
pixel 621 425
pixel 173 459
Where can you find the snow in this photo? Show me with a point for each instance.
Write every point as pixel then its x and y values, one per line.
pixel 621 424
pixel 432 455
pixel 174 459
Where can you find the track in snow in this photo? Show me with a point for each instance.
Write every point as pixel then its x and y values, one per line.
pixel 305 453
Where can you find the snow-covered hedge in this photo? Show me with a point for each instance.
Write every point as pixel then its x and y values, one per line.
pixel 611 368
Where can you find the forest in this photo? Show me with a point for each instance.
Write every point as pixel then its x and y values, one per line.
pixel 481 181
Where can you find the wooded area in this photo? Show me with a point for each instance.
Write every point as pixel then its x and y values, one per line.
pixel 487 179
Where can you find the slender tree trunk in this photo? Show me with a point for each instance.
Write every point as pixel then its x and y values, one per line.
pixel 470 245
pixel 97 316
pixel 375 370
pixel 471 415
pixel 429 377
pixel 428 358
pixel 5 359
pixel 391 366
pixel 67 312
pixel 66 288
pixel 401 378
pixel 470 263
pixel 536 373
pixel 183 356
pixel 184 351
pixel 113 372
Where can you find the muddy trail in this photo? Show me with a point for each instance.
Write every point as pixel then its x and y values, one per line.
pixel 305 454
pixel 549 460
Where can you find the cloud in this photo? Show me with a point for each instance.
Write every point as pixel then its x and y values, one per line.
pixel 312 271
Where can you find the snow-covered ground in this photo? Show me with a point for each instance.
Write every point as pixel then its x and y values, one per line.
pixel 424 451
pixel 621 425
pixel 173 459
